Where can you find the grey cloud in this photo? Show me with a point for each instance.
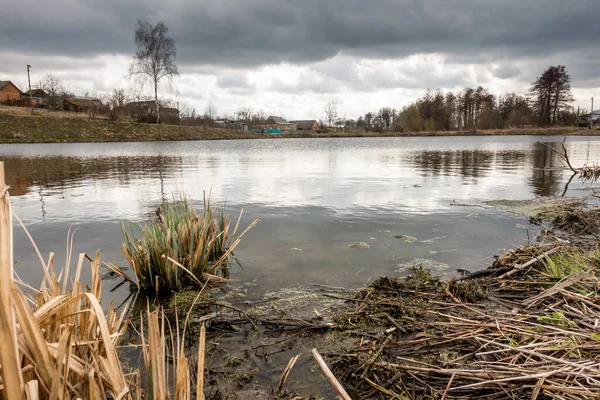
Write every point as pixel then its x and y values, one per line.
pixel 244 34
pixel 506 71
pixel 234 79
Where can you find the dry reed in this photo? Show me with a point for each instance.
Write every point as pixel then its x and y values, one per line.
pixel 534 334
pixel 58 343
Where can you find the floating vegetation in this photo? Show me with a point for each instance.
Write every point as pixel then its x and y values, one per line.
pixel 361 245
pixel 179 247
pixel 577 221
pixel 430 265
pixel 590 172
pixel 407 239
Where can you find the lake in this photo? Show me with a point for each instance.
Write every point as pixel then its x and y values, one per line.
pixel 314 197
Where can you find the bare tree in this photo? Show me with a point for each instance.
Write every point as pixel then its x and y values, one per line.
pixel 244 114
pixel 155 57
pixel 330 111
pixel 115 103
pixel 210 112
pixel 260 115
pixel 55 90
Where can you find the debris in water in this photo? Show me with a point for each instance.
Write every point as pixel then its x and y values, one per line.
pixel 423 263
pixel 296 249
pixel 361 245
pixel 407 239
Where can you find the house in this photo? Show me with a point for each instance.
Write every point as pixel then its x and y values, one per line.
pixel 38 97
pixel 278 123
pixel 589 119
pixel 145 111
pixel 81 104
pixel 9 92
pixel 223 124
pixel 239 126
pixel 306 125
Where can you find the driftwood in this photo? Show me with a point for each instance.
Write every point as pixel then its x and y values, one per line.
pixel 587 172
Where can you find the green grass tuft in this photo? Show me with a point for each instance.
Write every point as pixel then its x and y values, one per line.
pixel 179 247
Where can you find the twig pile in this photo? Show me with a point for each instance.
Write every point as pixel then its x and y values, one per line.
pixel 534 336
pixel 576 221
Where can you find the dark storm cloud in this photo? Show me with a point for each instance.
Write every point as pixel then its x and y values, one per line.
pixel 506 71
pixel 244 33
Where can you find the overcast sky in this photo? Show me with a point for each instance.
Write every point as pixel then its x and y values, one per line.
pixel 290 57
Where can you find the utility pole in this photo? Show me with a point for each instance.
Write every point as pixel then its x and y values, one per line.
pixel 592 115
pixel 30 93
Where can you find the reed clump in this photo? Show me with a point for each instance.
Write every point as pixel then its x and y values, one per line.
pixel 180 247
pixel 59 343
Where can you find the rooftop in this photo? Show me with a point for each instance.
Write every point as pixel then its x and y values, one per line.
pixel 5 83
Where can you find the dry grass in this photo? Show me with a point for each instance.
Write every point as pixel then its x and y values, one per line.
pixel 58 343
pixel 531 333
pixel 41 112
pixel 18 126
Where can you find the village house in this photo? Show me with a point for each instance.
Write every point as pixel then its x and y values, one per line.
pixel 145 111
pixel 590 119
pixel 38 98
pixel 306 125
pixel 81 104
pixel 9 92
pixel 278 123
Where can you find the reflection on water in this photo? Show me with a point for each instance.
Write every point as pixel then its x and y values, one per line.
pixel 314 196
pixel 547 171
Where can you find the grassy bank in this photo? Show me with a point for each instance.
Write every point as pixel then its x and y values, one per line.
pixel 17 126
pixel 46 127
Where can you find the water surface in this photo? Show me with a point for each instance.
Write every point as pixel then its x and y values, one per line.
pixel 314 198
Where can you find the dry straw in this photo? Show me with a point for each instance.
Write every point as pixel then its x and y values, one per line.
pixel 58 343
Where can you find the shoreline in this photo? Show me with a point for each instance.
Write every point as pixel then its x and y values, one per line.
pixel 529 321
pixel 46 128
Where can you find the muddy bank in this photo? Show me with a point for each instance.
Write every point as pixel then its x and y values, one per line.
pixel 526 326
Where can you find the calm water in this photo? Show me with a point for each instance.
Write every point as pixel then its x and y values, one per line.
pixel 313 197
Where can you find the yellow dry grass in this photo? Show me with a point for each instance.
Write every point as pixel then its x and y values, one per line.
pixel 26 112
pixel 58 343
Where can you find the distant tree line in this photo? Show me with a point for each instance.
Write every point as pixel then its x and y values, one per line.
pixel 547 103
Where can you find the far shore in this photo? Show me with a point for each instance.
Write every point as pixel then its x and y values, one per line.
pixel 44 127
